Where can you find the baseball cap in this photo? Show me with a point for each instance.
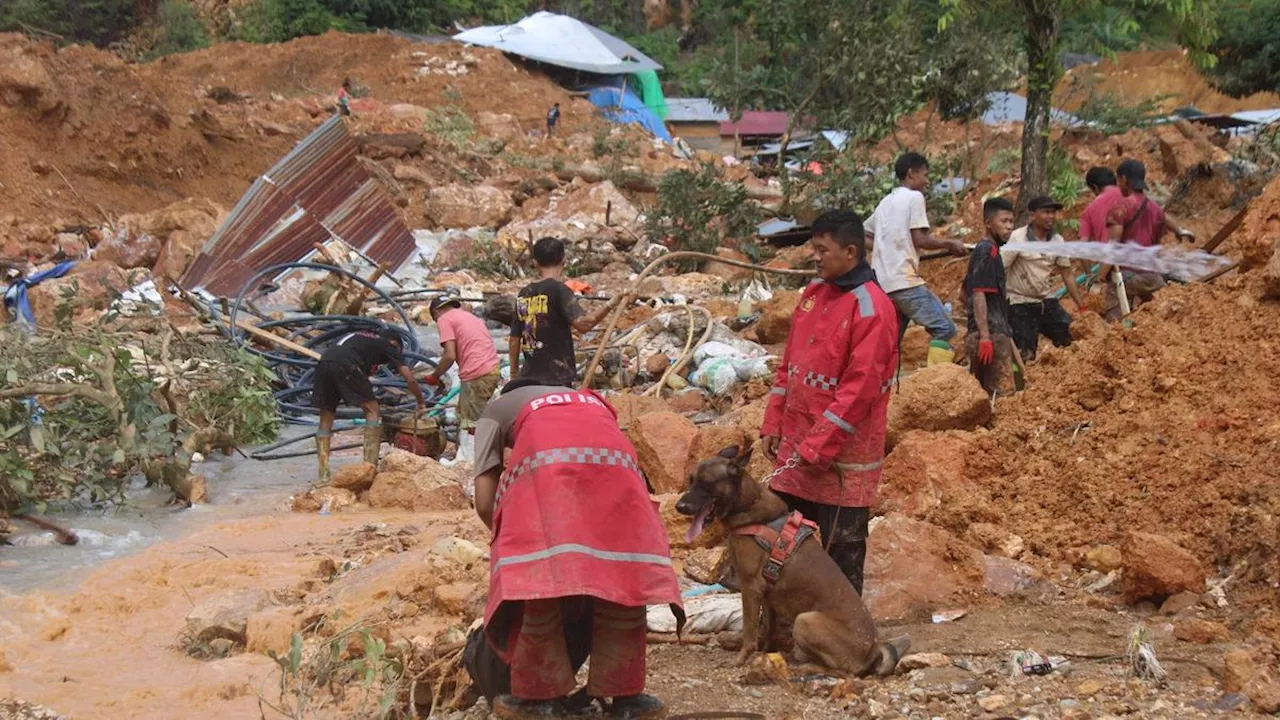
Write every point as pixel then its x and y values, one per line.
pixel 1043 202
pixel 1135 172
pixel 443 301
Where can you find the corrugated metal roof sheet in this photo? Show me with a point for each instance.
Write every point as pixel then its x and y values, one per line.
pixel 694 110
pixel 316 193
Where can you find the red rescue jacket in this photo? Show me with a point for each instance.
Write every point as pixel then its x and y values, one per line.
pixel 830 401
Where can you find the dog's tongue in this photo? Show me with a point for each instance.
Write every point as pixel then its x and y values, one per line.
pixel 698 521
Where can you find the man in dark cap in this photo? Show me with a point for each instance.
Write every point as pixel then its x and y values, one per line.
pixel 1138 219
pixel 1031 279
pixel 465 340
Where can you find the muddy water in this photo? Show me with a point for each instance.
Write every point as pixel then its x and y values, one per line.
pixel 238 488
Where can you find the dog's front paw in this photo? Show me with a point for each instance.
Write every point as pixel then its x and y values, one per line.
pixel 743 655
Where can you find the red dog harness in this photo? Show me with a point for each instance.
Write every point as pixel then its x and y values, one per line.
pixel 780 537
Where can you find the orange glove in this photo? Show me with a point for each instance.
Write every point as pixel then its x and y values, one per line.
pixel 986 351
pixel 431 380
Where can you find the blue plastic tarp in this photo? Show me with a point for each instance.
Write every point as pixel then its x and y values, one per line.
pixel 628 109
pixel 15 297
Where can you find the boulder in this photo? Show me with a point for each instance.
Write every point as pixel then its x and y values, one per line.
pixel 461 598
pixel 939 397
pixel 1200 632
pixel 992 539
pixel 576 214
pixel 271 630
pixel 704 565
pixel 409 173
pixel 923 469
pixel 197 216
pixel 710 440
pixel 656 364
pixel 331 499
pixel 1179 603
pixel 407 111
pixel 1237 670
pixel 127 249
pixel 1260 229
pixel 176 255
pixel 631 406
pixel 662 441
pixel 1271 276
pixel 90 286
pixel 356 477
pixel 503 126
pixel 914 349
pixel 467 206
pixel 25 82
pixel 1104 558
pixel 1264 692
pixel 690 400
pixel 914 567
pixel 1155 568
pixel 1009 578
pixel 775 317
pixel 729 273
pixel 677 525
pixel 917 661
pixel 225 616
pixel 70 245
pixel 413 482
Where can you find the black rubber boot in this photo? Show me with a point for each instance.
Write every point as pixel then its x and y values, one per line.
pixel 637 707
pixel 510 707
pixel 850 557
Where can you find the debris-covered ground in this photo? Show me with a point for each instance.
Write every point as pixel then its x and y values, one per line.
pixel 1113 527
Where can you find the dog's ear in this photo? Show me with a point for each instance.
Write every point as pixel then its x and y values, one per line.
pixel 728 453
pixel 743 458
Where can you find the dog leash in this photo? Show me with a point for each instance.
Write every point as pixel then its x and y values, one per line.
pixel 794 462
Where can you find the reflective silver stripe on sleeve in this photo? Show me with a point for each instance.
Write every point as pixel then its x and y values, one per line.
pixel 778 390
pixel 856 467
pixel 643 558
pixel 866 308
pixel 838 421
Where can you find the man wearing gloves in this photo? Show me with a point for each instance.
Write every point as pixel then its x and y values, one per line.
pixel 828 407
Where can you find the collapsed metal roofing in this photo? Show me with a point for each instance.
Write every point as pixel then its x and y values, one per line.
pixel 318 192
pixel 563 41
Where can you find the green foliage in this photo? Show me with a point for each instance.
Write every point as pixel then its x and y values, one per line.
pixel 322 676
pixel 845 183
pixel 975 57
pixel 270 21
pixel 181 30
pixel 1109 113
pixel 93 21
pixel 451 124
pixel 104 415
pixel 487 256
pixel 698 210
pixel 1247 51
pixel 605 144
pixel 1066 184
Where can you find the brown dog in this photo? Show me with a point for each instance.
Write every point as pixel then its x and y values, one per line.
pixel 811 595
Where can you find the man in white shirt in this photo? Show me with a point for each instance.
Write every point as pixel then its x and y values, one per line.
pixel 1031 282
pixel 896 232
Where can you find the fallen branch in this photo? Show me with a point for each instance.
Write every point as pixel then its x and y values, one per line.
pixel 65 536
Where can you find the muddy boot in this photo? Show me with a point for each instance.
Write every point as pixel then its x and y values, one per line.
pixel 637 707
pixel 940 353
pixel 372 442
pixel 510 707
pixel 322 457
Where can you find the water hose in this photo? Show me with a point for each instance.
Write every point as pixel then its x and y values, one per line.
pixel 689 345
pixel 631 293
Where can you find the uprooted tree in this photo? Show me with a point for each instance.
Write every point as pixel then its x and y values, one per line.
pixel 83 411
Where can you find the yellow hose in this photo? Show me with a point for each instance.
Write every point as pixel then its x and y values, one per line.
pixel 630 295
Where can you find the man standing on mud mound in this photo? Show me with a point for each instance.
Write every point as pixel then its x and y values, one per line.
pixel 547 313
pixel 896 232
pixel 1034 311
pixel 825 423
pixel 1136 219
pixel 465 340
pixel 989 344
pixel 571 517
pixel 342 375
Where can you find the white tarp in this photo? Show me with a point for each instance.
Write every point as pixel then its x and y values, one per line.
pixel 563 41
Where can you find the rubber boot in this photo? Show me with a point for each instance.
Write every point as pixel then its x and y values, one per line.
pixel 322 456
pixel 940 352
pixel 637 707
pixel 372 442
pixel 509 707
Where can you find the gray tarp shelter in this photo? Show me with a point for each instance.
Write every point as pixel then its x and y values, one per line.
pixel 563 41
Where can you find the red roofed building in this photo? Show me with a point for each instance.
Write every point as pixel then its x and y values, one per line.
pixel 756 127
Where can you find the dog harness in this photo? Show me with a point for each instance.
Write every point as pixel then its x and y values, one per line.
pixel 780 537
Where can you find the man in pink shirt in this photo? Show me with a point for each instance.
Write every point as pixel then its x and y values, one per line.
pixel 1093 221
pixel 466 341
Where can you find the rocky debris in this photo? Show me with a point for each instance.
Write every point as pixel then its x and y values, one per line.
pixel 1184 148
pixel 412 482
pixel 914 348
pixel 1179 603
pixel 462 598
pixel 90 286
pixel 693 285
pixel 409 173
pixel 1009 578
pixel 1271 276
pixel 631 406
pixel 503 126
pixel 128 250
pixel 25 83
pixel 689 400
pixel 1155 567
pixel 356 477
pixel 992 539
pixel 578 215
pixel 677 525
pixel 329 499
pixel 1200 632
pixel 939 397
pixel 466 206
pixel 1257 235
pixel 1088 326
pixel 225 616
pixel 917 661
pixel 271 630
pixel 382 146
pixel 995 703
pixel 166 239
pixel 775 317
pixel 1237 670
pixel 914 567
pixel 1264 692
pixel 1104 558
pixel 709 441
pixel 663 441
pixel 408 111
pixel 922 470
pixel 704 565
pixel 656 364
pixel 728 273
pixel 767 669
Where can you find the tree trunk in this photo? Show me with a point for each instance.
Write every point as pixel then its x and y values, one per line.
pixel 1043 71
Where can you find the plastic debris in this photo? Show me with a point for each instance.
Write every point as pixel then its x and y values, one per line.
pixel 706 615
pixel 946 616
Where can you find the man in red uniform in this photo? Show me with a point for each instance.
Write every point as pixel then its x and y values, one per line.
pixel 825 423
pixel 571 519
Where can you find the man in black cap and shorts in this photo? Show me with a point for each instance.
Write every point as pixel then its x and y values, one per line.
pixel 1030 281
pixel 342 375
